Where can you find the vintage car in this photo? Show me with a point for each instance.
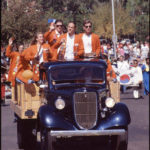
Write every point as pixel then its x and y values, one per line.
pixel 71 102
pixel 77 105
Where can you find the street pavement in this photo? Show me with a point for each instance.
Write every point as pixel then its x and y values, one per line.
pixel 138 128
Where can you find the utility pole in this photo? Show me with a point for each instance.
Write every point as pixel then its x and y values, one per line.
pixel 114 37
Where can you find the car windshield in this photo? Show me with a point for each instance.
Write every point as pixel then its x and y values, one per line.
pixel 75 74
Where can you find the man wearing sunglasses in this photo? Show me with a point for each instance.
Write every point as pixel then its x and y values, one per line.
pixel 89 41
pixel 55 30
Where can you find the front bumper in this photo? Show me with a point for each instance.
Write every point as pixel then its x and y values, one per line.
pixel 70 133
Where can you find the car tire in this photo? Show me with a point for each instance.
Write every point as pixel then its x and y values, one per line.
pixel 46 140
pixel 25 138
pixel 123 141
pixel 120 142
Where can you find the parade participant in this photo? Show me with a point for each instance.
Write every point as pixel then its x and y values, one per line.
pixel 37 53
pixel 122 68
pixel 14 60
pixel 67 45
pixel 136 72
pixel 146 74
pixel 111 75
pixel 112 84
pixel 122 65
pixel 90 42
pixel 55 30
pixel 137 78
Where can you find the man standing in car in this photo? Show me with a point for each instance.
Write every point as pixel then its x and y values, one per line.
pixel 67 45
pixel 55 30
pixel 89 41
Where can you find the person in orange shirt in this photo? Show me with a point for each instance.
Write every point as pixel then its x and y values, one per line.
pixel 90 42
pixel 38 53
pixel 55 30
pixel 111 76
pixel 14 60
pixel 67 45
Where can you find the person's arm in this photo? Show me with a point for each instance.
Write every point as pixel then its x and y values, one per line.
pixel 47 34
pixel 98 47
pixel 27 54
pixel 9 52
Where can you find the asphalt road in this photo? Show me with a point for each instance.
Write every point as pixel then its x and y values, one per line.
pixel 138 129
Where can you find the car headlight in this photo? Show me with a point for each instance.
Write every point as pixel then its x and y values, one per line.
pixel 110 102
pixel 60 103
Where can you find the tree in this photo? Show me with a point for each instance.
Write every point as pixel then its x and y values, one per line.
pixel 139 10
pixel 21 20
pixel 102 20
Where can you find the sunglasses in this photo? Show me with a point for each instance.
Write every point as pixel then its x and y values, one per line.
pixel 58 25
pixel 88 26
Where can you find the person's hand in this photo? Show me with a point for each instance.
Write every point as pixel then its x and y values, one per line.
pixel 51 27
pixel 11 41
pixel 63 40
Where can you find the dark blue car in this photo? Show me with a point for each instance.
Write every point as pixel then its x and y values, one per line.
pixel 76 105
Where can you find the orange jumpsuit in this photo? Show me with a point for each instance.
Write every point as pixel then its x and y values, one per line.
pixel 30 53
pixel 14 61
pixel 77 43
pixel 95 43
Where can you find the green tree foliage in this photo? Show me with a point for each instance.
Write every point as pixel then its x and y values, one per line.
pixel 21 21
pixel 139 10
pixel 70 10
pixel 102 20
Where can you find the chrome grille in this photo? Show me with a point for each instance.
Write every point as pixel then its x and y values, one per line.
pixel 85 106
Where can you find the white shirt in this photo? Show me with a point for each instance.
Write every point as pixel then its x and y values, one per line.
pixel 87 42
pixel 137 74
pixel 122 67
pixel 144 51
pixel 69 53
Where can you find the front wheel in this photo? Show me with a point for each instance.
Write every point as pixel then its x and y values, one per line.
pixel 25 137
pixel 47 141
pixel 120 142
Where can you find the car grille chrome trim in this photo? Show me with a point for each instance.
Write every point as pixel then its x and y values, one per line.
pixel 85 109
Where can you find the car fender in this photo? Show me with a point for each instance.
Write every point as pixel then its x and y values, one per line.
pixel 119 117
pixel 49 119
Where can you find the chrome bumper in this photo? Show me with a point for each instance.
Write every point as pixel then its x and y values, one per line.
pixel 69 134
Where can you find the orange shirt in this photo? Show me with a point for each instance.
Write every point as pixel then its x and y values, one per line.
pixel 95 43
pixel 76 47
pixel 110 72
pixel 14 61
pixel 51 37
pixel 30 53
pixel 23 65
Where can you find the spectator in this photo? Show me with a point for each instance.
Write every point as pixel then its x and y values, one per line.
pixel 144 50
pixel 146 74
